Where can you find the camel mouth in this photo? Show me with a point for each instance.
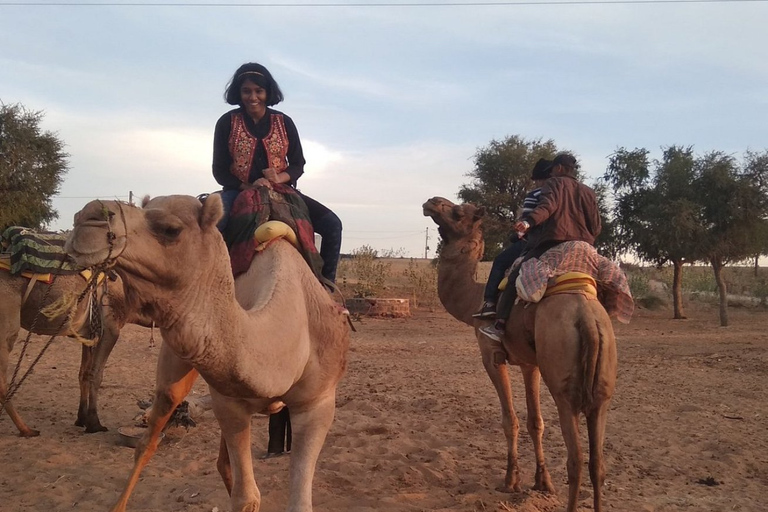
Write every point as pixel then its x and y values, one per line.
pixel 89 244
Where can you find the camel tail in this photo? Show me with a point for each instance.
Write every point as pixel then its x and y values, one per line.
pixel 591 341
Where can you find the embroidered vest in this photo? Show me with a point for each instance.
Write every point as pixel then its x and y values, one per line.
pixel 242 145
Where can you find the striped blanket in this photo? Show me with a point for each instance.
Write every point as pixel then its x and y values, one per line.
pixel 612 284
pixel 37 253
pixel 253 208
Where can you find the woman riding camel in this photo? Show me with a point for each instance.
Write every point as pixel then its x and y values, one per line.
pixel 257 146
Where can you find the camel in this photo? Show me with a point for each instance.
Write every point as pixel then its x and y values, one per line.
pixel 269 338
pixel 566 339
pixel 16 312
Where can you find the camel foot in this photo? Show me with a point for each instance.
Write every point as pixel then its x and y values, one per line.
pixel 509 488
pixel 92 429
pixel 29 433
pixel 544 482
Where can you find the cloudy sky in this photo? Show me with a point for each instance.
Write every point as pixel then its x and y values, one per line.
pixel 391 101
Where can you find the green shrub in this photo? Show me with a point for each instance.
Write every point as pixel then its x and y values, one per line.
pixel 422 283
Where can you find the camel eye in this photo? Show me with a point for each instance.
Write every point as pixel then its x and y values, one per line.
pixel 172 231
pixel 457 212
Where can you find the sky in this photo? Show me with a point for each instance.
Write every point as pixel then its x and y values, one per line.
pixel 391 102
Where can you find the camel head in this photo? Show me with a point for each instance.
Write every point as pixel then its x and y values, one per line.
pixel 454 221
pixel 168 241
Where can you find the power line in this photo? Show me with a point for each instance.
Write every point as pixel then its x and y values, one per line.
pixel 372 4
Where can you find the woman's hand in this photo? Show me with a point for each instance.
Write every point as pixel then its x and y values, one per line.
pixel 263 182
pixel 270 174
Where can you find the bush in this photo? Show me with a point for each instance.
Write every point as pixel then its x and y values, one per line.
pixel 370 274
pixel 422 283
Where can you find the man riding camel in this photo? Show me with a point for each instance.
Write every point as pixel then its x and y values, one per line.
pixel 567 211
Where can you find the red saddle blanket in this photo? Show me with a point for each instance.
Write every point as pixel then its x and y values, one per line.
pixel 253 208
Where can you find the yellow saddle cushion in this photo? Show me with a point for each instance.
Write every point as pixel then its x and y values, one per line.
pixel 571 282
pixel 273 229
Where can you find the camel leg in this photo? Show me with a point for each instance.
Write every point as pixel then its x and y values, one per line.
pixel 310 425
pixel 90 379
pixel 499 375
pixel 569 424
pixel 224 466
pixel 235 421
pixel 173 382
pixel 86 362
pixel 596 421
pixel 11 327
pixel 535 424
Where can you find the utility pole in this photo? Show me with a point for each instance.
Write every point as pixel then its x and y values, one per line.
pixel 426 244
pixel 130 197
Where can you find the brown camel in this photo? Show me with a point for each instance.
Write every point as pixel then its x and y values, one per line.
pixel 272 336
pixel 15 312
pixel 565 338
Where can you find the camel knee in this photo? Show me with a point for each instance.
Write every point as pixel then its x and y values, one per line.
pixel 535 426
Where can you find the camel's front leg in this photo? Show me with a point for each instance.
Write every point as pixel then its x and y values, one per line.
pixel 310 424
pixel 535 424
pixel 234 418
pixel 11 329
pixel 92 365
pixel 499 374
pixel 173 382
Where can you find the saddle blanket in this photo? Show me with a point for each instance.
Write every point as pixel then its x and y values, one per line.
pixel 612 285
pixel 36 253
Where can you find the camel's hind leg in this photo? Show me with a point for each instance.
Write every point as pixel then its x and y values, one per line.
pixel 310 425
pixel 596 420
pixel 173 382
pixel 498 372
pixel 569 424
pixel 535 425
pixel 92 364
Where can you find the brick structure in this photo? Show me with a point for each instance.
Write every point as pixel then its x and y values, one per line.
pixel 371 306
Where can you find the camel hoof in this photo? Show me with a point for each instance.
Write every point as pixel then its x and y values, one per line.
pixel 546 487
pixel 79 423
pixel 92 429
pixel 509 489
pixel 29 433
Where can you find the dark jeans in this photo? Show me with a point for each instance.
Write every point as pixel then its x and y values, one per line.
pixel 509 295
pixel 325 223
pixel 500 265
pixel 328 225
pixel 279 432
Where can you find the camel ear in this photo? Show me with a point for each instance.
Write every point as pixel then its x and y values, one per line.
pixel 480 213
pixel 144 201
pixel 212 212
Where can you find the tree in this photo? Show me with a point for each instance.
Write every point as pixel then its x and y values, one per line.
pixel 733 210
pixel 32 166
pixel 608 243
pixel 500 180
pixel 756 170
pixel 655 212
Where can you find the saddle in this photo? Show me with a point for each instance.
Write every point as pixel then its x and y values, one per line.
pixel 38 257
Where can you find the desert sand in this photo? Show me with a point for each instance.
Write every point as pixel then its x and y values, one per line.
pixel 417 427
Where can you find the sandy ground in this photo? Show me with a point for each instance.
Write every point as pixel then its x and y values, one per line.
pixel 417 427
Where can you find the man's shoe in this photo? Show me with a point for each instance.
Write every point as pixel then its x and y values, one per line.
pixel 492 332
pixel 487 311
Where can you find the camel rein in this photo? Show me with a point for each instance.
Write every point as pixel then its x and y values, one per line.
pixel 90 287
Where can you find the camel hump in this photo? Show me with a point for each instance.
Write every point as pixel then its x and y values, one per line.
pixel 273 229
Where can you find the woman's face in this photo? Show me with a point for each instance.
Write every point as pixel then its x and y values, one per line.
pixel 253 97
